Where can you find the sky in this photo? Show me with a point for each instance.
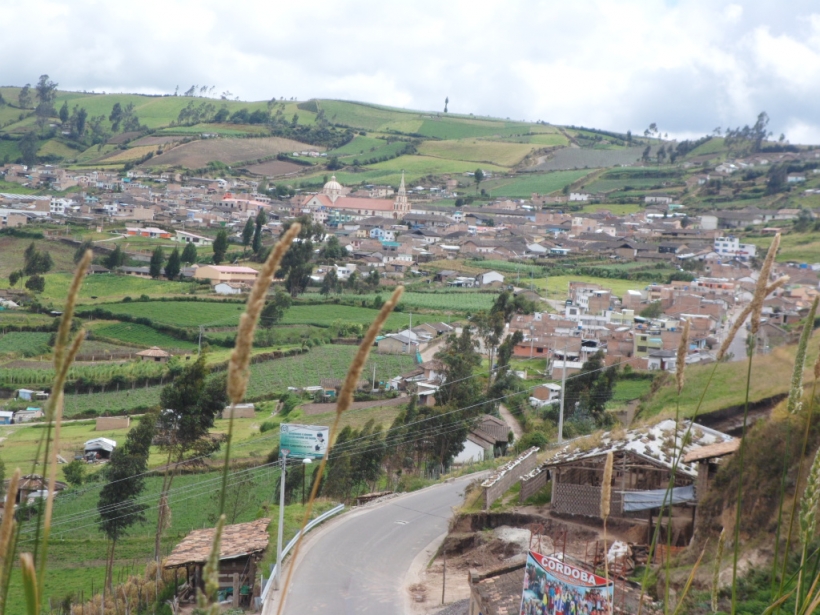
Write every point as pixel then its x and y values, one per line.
pixel 688 65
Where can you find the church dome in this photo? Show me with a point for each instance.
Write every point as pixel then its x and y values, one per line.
pixel 332 186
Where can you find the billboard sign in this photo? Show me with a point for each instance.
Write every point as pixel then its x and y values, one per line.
pixel 554 587
pixel 303 441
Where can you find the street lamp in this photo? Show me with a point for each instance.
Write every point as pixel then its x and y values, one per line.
pixel 305 462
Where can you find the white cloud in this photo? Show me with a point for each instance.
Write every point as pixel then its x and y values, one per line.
pixel 689 66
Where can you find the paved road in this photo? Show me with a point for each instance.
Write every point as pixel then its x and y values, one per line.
pixel 359 564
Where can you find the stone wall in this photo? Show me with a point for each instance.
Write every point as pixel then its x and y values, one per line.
pixel 503 478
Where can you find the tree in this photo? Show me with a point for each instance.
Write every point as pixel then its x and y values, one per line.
pixel 261 220
pixel 489 327
pixel 478 177
pixel 330 283
pixel 296 265
pixel 118 506
pixel 82 249
pixel 64 113
pixel 115 258
pixel 15 276
pixel 46 90
pixel 247 232
pixel 804 221
pixel 173 266
pixel 653 310
pixel 646 152
pixel 77 121
pixel 446 102
pixel 333 249
pixel 36 262
pixel 373 278
pixel 460 358
pixel 157 260
pixel 74 472
pixel 24 97
pixel 192 401
pixel 36 283
pixel 220 246
pixel 28 148
pixel 115 117
pixel 591 388
pixel 189 254
pixel 274 310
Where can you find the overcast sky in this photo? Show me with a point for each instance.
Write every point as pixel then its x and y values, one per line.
pixel 689 65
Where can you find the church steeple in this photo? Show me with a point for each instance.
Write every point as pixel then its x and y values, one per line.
pixel 401 206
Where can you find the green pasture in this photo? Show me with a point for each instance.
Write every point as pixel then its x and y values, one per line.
pixel 105 287
pixel 141 335
pixel 24 344
pixel 479 151
pixel 445 300
pixel 798 247
pixel 523 185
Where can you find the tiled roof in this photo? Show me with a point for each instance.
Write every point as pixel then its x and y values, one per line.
pixel 237 540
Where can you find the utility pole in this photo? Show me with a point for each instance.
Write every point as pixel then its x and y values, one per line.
pixel 284 454
pixel 563 393
pixel 374 376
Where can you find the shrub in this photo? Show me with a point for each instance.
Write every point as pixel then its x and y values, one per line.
pixel 74 473
pixel 268 426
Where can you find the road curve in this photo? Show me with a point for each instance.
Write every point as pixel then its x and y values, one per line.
pixel 358 565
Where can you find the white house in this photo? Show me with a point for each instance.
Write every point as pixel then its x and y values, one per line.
pixel 731 247
pixel 489 277
pixel 199 240
pixel 474 449
pixel 578 196
pixel 227 288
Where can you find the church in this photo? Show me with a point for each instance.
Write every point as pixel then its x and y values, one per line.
pixel 331 208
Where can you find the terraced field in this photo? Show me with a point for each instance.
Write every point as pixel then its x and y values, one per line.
pixel 524 184
pixel 142 335
pixel 475 150
pixel 584 158
pixel 24 344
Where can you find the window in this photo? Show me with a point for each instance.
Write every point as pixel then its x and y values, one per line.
pixel 641 348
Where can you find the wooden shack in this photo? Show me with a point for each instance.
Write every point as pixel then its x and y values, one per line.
pixel 242 547
pixel 644 460
pixel 154 353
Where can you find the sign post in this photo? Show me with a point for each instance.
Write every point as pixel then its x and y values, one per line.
pixel 283 454
pixel 305 442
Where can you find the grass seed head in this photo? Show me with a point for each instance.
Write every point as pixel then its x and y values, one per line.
pixel 796 390
pixel 241 355
pixel 683 347
pixel 808 504
pixel 762 289
pixel 606 485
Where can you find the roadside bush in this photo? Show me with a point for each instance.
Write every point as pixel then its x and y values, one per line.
pixel 268 426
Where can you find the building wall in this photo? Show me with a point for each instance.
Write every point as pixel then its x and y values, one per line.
pixel 533 485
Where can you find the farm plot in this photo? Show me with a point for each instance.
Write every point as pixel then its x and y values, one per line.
pixel 108 287
pixel 181 313
pixel 128 155
pixel 198 154
pixel 275 168
pixel 523 185
pixel 325 315
pixel 308 369
pixel 444 301
pixel 142 335
pixel 41 373
pixel 474 150
pixel 124 400
pixel 24 344
pixel 582 158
